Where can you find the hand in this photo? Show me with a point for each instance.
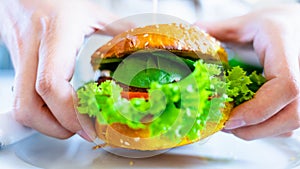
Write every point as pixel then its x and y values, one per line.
pixel 43 38
pixel 274 33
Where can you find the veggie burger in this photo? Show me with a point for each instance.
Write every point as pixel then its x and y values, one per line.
pixel 163 86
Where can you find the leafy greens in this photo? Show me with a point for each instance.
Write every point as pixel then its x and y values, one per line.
pixel 176 109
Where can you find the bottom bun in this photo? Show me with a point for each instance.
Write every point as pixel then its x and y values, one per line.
pixel 121 136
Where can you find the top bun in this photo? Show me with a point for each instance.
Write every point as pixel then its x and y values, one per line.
pixel 183 40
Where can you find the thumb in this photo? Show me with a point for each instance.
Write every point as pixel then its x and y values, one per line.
pixel 237 29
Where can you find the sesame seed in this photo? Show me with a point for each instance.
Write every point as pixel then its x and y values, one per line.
pixel 179 46
pixel 121 141
pixel 146 34
pixel 146 44
pixel 126 143
pixel 105 73
pixel 136 139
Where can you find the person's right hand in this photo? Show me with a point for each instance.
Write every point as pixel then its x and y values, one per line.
pixel 43 38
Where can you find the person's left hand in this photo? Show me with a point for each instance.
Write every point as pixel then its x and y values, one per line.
pixel 274 34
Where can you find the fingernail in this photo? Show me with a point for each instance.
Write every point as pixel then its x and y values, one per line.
pixel 84 135
pixel 233 124
pixel 227 131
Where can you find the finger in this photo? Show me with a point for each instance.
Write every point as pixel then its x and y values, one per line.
pixel 235 29
pixel 59 44
pixel 282 86
pixel 287 120
pixel 285 135
pixel 105 22
pixel 28 107
pixel 88 132
pixel 116 27
pixel 268 100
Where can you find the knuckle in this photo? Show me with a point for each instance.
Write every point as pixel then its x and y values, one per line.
pixel 21 116
pixel 38 19
pixel 293 87
pixel 271 22
pixel 233 33
pixel 256 116
pixel 43 21
pixel 47 24
pixel 43 84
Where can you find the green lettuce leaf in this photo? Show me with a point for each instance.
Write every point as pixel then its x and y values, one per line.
pixel 142 68
pixel 177 109
pixel 241 87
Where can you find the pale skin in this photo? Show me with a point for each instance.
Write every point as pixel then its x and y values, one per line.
pixel 43 39
pixel 274 34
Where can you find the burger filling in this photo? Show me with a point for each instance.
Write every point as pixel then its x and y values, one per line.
pixel 168 95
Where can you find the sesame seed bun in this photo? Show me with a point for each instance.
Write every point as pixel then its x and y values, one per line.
pixel 182 40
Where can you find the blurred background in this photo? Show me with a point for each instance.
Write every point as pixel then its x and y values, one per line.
pixel 188 10
pixel 5 63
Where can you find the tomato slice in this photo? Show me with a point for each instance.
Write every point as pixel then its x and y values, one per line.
pixel 131 95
